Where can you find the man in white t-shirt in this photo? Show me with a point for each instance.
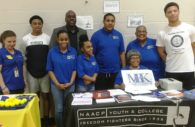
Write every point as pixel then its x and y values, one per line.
pixel 176 46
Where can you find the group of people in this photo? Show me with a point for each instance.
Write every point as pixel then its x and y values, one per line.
pixel 73 62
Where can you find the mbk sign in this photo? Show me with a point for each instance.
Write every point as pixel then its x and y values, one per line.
pixel 138 79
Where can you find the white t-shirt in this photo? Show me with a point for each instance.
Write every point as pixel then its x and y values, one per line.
pixel 177 42
pixel 30 39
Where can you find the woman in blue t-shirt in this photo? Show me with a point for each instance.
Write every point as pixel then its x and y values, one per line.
pixel 148 50
pixel 12 80
pixel 133 59
pixel 87 67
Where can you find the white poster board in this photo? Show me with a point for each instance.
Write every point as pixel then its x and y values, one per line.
pixel 111 6
pixel 135 20
pixel 85 22
pixel 138 80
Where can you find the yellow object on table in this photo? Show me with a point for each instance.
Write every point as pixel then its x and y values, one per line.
pixel 27 117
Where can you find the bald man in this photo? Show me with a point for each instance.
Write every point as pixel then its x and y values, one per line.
pixel 74 32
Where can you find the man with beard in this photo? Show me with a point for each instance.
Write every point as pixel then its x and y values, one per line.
pixel 73 31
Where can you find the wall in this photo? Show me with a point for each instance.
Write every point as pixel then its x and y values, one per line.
pixel 14 14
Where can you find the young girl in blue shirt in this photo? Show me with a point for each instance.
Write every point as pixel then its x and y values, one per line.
pixel 61 67
pixel 87 67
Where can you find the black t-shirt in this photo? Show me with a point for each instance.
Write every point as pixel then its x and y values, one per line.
pixel 37 59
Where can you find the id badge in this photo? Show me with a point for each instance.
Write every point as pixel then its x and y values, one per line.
pixel 16 72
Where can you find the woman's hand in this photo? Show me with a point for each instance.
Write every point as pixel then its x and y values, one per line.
pixel 26 89
pixel 122 86
pixel 67 85
pixel 5 90
pixel 87 82
pixel 61 86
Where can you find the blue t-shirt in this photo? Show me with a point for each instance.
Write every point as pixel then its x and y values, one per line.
pixel 119 79
pixel 149 56
pixel 12 69
pixel 62 64
pixel 107 49
pixel 86 67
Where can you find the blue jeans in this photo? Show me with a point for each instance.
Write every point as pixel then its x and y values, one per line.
pixel 58 97
pixel 86 88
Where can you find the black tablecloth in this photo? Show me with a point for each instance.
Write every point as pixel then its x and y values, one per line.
pixel 130 114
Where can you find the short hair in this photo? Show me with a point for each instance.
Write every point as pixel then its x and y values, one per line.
pixel 140 27
pixel 35 17
pixel 132 52
pixel 82 39
pixel 7 33
pixel 169 5
pixel 69 11
pixel 108 14
pixel 61 31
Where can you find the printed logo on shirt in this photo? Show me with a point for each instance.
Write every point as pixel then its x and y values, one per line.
pixel 93 63
pixel 177 41
pixel 150 46
pixel 115 37
pixel 9 57
pixel 70 57
pixel 19 56
pixel 36 43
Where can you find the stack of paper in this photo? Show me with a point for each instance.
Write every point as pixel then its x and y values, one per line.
pixel 115 92
pixel 82 98
pixel 173 93
pixel 82 101
pixel 105 100
pixel 139 91
pixel 86 94
pixel 145 98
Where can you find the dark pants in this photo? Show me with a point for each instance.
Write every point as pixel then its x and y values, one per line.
pixel 187 78
pixel 20 91
pixel 105 81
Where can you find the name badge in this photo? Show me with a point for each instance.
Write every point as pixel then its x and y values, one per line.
pixel 16 72
pixel 93 63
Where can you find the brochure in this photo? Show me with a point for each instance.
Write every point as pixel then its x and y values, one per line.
pixel 82 101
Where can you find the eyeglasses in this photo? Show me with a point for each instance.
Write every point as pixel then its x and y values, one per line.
pixel 135 57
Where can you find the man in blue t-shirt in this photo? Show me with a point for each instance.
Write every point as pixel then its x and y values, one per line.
pixel 108 47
